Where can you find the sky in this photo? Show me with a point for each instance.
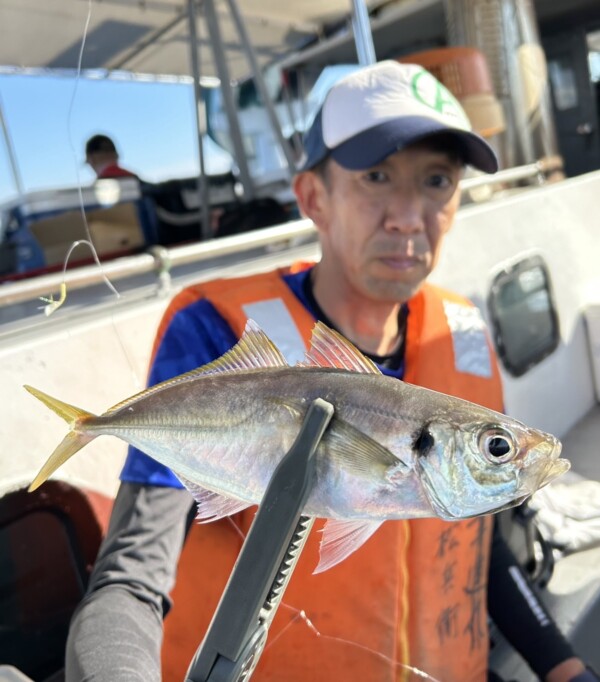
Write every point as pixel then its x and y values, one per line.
pixel 50 118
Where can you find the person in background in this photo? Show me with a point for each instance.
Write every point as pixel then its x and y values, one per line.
pixel 101 154
pixel 380 181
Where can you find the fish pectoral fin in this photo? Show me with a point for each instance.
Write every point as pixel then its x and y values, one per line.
pixel 352 449
pixel 342 538
pixel 213 506
pixel 358 453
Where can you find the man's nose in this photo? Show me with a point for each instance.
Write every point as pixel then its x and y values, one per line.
pixel 405 212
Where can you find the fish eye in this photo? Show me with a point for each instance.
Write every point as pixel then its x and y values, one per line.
pixel 497 445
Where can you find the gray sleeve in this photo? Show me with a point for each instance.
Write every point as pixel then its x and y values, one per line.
pixel 116 631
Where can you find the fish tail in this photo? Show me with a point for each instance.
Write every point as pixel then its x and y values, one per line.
pixel 70 444
pixel 69 413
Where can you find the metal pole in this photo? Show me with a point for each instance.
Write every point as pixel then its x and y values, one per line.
pixel 232 117
pixel 260 83
pixel 143 45
pixel 296 134
pixel 362 33
pixel 205 227
pixel 11 155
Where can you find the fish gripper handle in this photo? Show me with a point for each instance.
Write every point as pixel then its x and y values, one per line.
pixel 237 634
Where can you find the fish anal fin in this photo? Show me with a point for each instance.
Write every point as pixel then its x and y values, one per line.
pixel 341 538
pixel 329 348
pixel 213 506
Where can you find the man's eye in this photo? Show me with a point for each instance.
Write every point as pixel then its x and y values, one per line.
pixel 440 181
pixel 376 176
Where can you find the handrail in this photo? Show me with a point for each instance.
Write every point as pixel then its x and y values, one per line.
pixel 546 165
pixel 157 259
pixel 161 259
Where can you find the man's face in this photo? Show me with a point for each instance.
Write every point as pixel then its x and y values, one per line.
pixel 98 161
pixel 381 229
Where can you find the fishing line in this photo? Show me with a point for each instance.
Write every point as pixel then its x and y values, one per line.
pixel 52 304
pixel 89 240
pixel 301 615
pixel 404 666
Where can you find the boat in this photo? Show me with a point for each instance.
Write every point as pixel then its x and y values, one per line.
pixel 531 233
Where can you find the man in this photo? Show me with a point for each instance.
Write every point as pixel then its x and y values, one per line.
pixel 101 154
pixel 384 157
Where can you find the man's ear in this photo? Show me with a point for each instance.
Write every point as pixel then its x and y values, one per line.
pixel 312 196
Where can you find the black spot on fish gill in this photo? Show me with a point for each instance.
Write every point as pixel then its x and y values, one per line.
pixel 423 442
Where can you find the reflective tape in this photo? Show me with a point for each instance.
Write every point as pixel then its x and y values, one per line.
pixel 469 339
pixel 273 317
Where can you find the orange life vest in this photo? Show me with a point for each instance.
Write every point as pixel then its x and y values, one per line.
pixel 415 593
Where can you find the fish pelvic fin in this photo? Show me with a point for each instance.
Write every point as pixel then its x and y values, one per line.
pixel 70 444
pixel 341 538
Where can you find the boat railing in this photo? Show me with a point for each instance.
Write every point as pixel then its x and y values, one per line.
pixel 539 170
pixel 161 260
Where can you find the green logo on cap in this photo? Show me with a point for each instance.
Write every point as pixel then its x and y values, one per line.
pixel 430 92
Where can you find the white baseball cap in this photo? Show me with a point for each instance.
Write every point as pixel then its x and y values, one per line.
pixel 380 109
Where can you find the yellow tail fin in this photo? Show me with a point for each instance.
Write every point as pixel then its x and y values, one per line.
pixel 70 444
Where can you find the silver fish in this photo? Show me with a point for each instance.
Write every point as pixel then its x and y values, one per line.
pixel 391 451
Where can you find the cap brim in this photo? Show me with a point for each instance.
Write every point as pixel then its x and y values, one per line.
pixel 372 146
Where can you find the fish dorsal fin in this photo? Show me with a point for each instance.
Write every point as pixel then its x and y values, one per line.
pixel 329 348
pixel 254 350
pixel 212 506
pixel 342 538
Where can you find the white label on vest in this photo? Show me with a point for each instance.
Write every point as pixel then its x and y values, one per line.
pixel 471 350
pixel 273 317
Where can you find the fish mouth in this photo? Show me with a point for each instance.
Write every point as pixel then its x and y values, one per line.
pixel 556 468
pixel 537 475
